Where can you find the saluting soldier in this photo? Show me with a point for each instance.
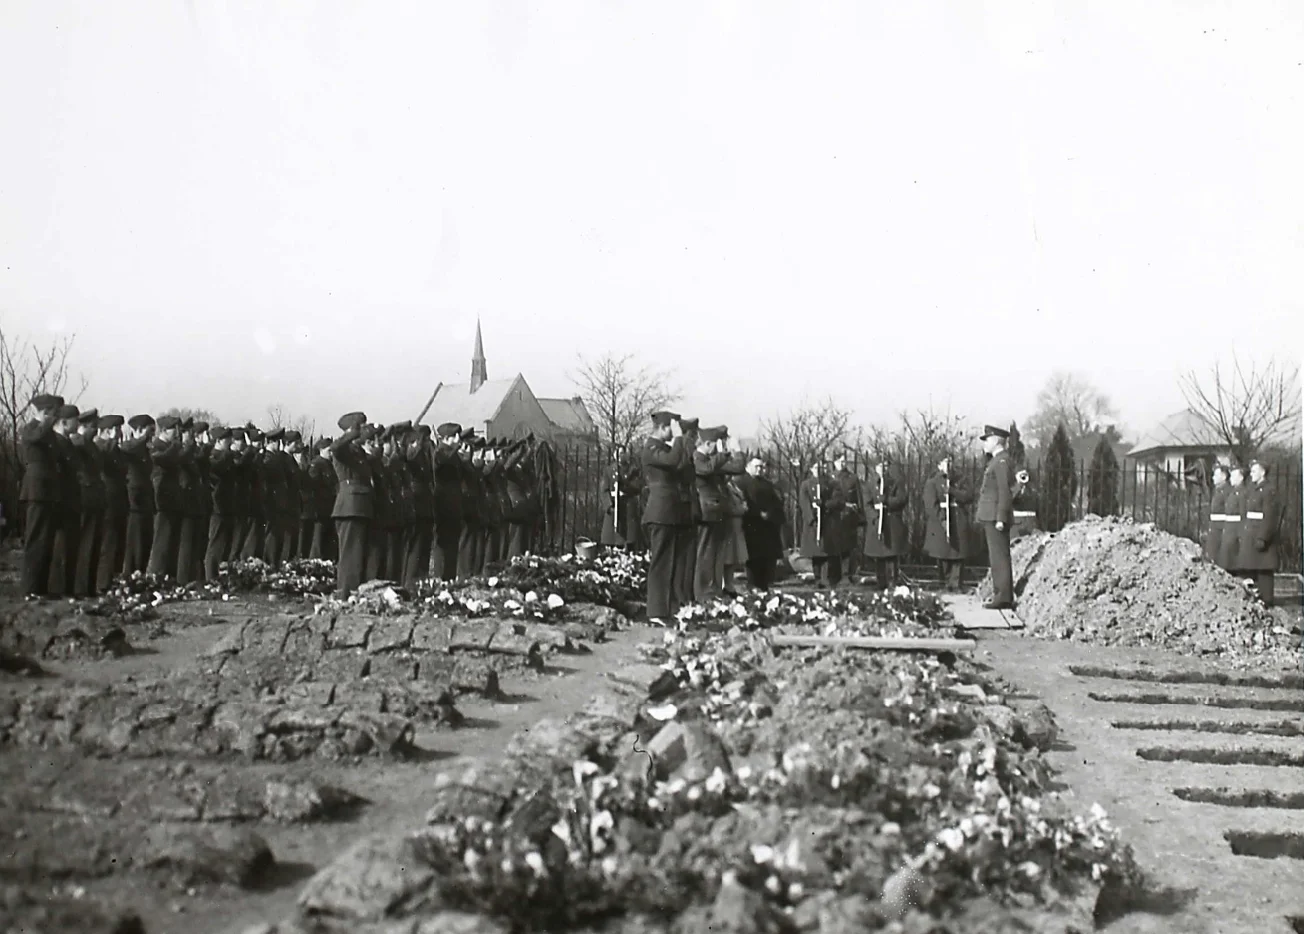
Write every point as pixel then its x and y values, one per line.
pixel 945 507
pixel 448 500
pixel 169 505
pixel 301 494
pixel 223 481
pixel 402 509
pixel 136 447
pixel 354 501
pixel 498 504
pixel 885 534
pixel 713 465
pixel 813 499
pixel 1217 514
pixel 276 495
pixel 113 474
pixel 292 445
pixel 91 484
pixel 686 537
pixel 67 533
pixel 241 492
pixel 256 475
pixel 469 551
pixel 378 528
pixel 39 494
pixel 321 475
pixel 419 455
pixel 1259 532
pixel 665 452
pixel 189 555
pixel 844 515
pixel 996 512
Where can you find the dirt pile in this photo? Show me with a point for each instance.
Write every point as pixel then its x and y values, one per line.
pixel 1116 582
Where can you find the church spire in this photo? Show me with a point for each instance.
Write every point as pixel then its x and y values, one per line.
pixel 479 369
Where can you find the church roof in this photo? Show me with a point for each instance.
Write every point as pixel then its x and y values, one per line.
pixel 569 415
pixel 454 402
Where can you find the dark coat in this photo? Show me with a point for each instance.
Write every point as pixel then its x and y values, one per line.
pixel 189 478
pixel 1217 522
pixel 711 473
pixel 166 474
pixel 41 466
pixel 421 467
pixel 89 479
pixel 664 466
pixel 763 521
pixel 448 486
pixel 939 490
pixel 355 496
pixel 113 474
pixel 813 497
pixel 1259 528
pixel 620 512
pixel 844 514
pixel 995 496
pixel 223 475
pixel 68 459
pixel 322 479
pixel 885 539
pixel 140 484
pixel 1229 551
pixel 472 492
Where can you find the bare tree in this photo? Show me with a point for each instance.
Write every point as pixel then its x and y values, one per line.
pixel 1069 399
pixel 805 435
pixel 279 417
pixel 1250 407
pixel 621 395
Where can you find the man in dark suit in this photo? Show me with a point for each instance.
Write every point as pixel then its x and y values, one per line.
pixel 448 500
pixel 135 448
pixel 113 474
pixel 666 516
pixel 40 494
pixel 996 513
pixel 354 502
pixel 322 479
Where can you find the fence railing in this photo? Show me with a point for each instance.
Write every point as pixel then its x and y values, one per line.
pixel 1142 491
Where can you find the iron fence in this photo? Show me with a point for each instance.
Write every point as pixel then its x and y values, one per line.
pixel 1137 489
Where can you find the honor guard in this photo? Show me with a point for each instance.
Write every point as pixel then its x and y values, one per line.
pixel 1229 544
pixel 190 554
pixel 712 466
pixel 255 526
pixel 223 480
pixel 137 446
pixel 1217 514
pixel 113 474
pixel 169 507
pixel 91 484
pixel 686 536
pixel 885 534
pixel 469 552
pixel 448 500
pixel 293 449
pixel 39 494
pixel 354 507
pixel 844 516
pixel 813 498
pixel 321 475
pixel 1259 530
pixel 67 534
pixel 996 512
pixel 241 491
pixel 664 456
pixel 946 502
pixel 419 454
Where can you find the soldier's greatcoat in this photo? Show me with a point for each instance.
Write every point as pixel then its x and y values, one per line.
pixel 813 496
pixel 1217 522
pixel 1257 548
pixel 353 509
pixel 666 512
pixel 40 500
pixel 888 496
pixel 938 491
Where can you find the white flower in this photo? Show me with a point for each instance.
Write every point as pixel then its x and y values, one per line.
pixel 951 838
pixel 902 591
pixel 762 853
pixel 555 602
pixel 535 862
pixel 493 582
pixel 532 597
pixel 664 712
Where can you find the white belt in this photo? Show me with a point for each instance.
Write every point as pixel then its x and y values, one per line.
pixel 1023 514
pixel 1230 518
pixel 1217 517
pixel 1254 515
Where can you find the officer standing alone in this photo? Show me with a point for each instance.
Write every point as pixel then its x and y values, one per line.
pixel 996 513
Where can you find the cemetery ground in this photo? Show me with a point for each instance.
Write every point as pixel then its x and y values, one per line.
pixel 224 765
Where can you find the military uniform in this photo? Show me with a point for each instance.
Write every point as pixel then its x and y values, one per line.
pixel 448 502
pixel 686 533
pixel 113 533
pixel 1217 522
pixel 39 496
pixel 522 498
pixel 255 536
pixel 354 502
pixel 1258 557
pixel 294 496
pixel 67 534
pixel 275 498
pixel 190 556
pixel 885 532
pixel 169 505
pixel 813 499
pixel 996 506
pixel 223 482
pixel 323 482
pixel 947 528
pixel 711 469
pixel 421 469
pixel 140 496
pixel 470 549
pixel 1229 543
pixel 666 514
pixel 91 485
pixel 844 514
pixel 203 501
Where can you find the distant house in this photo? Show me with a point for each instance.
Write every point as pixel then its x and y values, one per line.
pixel 505 408
pixel 1178 444
pixel 1084 449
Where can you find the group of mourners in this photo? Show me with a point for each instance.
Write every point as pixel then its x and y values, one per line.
pixel 103 496
pixel 1244 523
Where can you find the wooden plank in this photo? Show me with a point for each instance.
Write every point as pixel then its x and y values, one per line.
pixel 881 643
pixel 999 623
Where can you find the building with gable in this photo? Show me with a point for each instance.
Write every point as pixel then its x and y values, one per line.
pixel 507 408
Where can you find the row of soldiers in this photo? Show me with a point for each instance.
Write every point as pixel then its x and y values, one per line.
pixel 103 496
pixel 1244 525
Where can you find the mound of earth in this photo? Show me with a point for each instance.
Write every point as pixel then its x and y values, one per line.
pixel 1111 581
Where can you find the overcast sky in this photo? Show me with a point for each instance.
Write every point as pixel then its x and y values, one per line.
pixel 898 204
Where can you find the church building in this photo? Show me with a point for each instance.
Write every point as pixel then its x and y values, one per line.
pixel 507 408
